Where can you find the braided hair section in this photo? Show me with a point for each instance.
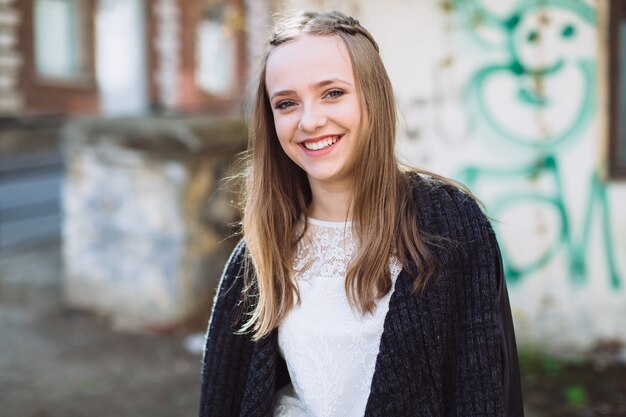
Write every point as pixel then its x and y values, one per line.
pixel 317 23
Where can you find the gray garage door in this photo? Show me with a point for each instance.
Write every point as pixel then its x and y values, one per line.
pixel 30 186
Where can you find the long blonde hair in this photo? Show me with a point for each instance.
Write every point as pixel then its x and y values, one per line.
pixel 277 193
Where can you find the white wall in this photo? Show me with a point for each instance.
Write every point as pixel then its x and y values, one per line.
pixel 529 147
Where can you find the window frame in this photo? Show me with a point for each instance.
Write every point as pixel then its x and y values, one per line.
pixel 50 96
pixel 224 8
pixel 192 97
pixel 616 76
pixel 85 76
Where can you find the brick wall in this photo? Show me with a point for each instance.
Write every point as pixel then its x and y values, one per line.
pixel 167 48
pixel 11 100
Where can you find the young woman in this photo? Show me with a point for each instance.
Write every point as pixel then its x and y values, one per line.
pixel 359 287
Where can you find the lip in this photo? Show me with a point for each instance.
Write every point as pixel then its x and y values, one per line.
pixel 323 151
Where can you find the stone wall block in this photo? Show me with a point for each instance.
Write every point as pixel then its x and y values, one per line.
pixel 11 100
pixel 9 17
pixel 167 46
pixel 10 61
pixel 11 103
pixel 140 241
pixel 7 82
pixel 8 39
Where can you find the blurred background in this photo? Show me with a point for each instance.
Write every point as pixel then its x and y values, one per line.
pixel 119 118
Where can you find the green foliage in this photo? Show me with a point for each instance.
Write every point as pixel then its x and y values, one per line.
pixel 535 362
pixel 576 395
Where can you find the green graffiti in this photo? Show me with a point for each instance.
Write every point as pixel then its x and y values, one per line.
pixel 527 95
pixel 475 17
pixel 574 249
pixel 598 197
pixel 531 101
pixel 568 31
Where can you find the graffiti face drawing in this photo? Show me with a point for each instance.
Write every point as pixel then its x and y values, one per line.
pixel 539 99
pixel 543 97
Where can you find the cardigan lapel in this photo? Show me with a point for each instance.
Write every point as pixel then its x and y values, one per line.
pixel 261 384
pixel 401 363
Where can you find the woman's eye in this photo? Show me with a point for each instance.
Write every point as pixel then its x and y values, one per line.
pixel 284 104
pixel 334 94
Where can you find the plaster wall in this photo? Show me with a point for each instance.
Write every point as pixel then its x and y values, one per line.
pixel 144 218
pixel 505 96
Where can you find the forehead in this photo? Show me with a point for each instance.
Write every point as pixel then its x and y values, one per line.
pixel 308 59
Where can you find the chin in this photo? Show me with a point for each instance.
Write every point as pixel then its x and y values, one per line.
pixel 326 177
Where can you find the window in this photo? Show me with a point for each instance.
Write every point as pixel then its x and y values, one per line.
pixel 59 39
pixel 617 89
pixel 216 48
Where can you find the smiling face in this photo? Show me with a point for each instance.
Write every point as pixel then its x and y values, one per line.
pixel 317 114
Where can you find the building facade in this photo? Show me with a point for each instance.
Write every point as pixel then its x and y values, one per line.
pixel 73 57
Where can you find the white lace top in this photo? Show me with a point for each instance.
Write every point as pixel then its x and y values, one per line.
pixel 330 350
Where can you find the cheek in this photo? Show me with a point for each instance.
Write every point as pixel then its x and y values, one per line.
pixel 350 114
pixel 285 127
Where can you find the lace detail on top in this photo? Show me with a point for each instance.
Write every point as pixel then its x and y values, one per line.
pixel 326 250
pixel 330 349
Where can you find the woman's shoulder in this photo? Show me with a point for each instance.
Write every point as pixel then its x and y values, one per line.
pixel 446 196
pixel 447 208
pixel 235 263
pixel 237 256
pixel 232 279
pixel 225 313
pixel 468 245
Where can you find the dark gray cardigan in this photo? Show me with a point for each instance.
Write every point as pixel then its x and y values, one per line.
pixel 448 351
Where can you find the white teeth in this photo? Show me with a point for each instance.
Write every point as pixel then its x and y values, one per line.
pixel 315 146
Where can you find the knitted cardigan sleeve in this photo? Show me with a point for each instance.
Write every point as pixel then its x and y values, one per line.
pixel 226 355
pixel 443 351
pixel 478 362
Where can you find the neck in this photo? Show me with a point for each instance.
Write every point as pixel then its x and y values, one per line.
pixel 329 202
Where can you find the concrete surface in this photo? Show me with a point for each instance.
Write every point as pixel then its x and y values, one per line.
pixel 56 362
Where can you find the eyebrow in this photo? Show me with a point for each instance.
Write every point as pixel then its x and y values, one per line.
pixel 315 86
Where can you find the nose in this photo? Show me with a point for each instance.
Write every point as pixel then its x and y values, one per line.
pixel 312 119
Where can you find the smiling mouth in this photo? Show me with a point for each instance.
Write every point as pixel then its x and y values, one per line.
pixel 321 144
